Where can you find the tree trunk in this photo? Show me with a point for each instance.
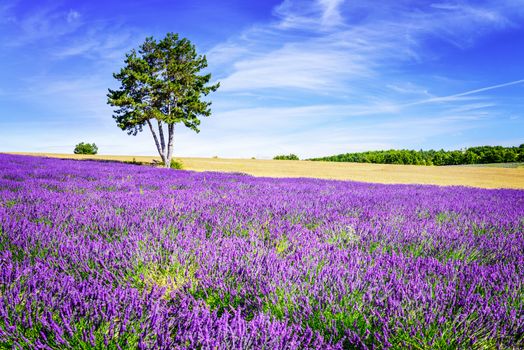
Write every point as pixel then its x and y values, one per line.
pixel 160 150
pixel 161 136
pixel 170 143
pixel 163 144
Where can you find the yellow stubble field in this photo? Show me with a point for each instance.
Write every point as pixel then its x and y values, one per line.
pixel 486 177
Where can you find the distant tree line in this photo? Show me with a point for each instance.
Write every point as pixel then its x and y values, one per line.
pixel 286 157
pixel 472 155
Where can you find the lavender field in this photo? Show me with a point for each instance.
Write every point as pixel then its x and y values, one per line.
pixel 115 256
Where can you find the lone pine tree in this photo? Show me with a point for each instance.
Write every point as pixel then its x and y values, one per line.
pixel 161 84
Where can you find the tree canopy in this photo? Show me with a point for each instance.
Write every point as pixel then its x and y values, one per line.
pixel 86 148
pixel 162 82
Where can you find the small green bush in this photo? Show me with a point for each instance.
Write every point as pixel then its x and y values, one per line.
pixel 176 164
pixel 286 157
pixel 86 148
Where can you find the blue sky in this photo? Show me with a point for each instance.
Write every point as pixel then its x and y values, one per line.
pixel 311 77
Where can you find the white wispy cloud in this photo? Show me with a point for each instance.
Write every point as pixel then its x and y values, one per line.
pixel 45 23
pixel 463 95
pixel 310 66
pixel 72 16
pixel 317 14
pixel 99 42
pixel 487 88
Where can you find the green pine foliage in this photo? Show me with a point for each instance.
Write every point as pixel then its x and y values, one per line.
pixel 161 81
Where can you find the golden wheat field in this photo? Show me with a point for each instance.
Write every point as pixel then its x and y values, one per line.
pixel 486 177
